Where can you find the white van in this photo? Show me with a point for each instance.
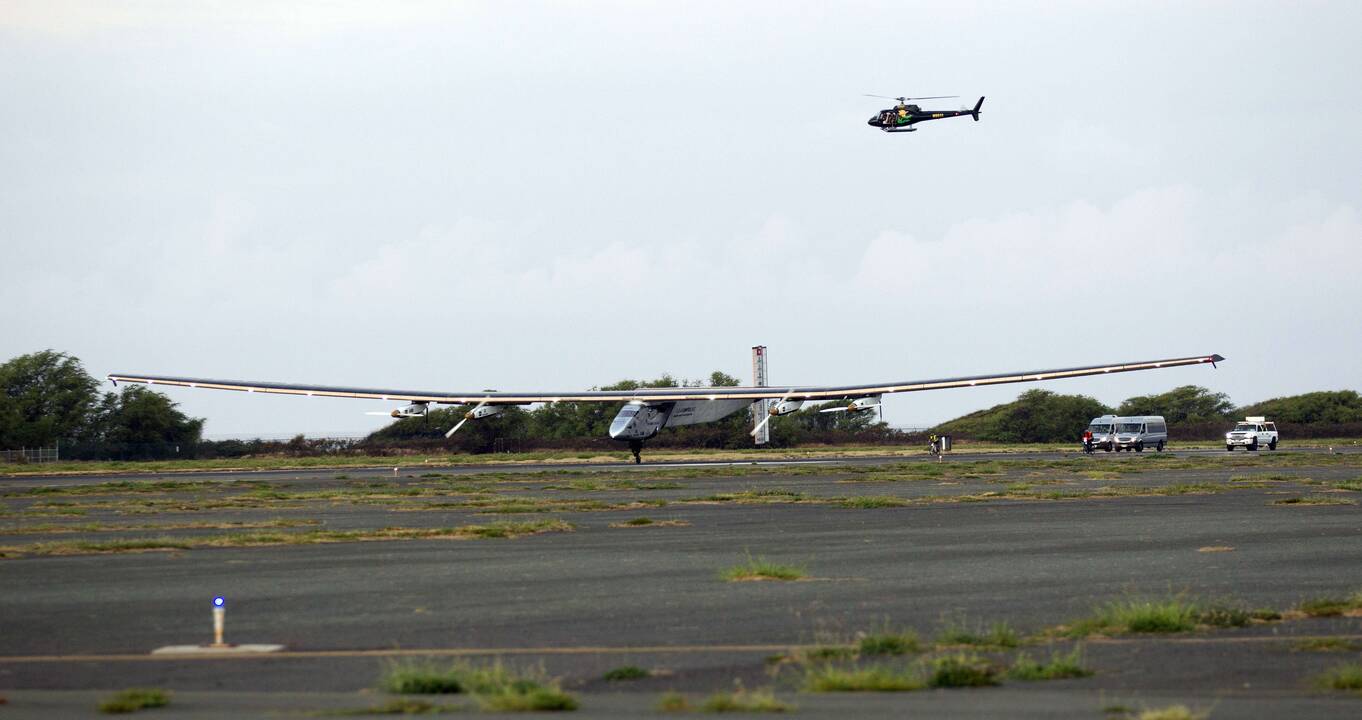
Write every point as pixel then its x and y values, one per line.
pixel 1103 429
pixel 1137 432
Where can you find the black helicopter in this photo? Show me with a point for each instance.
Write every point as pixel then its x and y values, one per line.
pixel 903 116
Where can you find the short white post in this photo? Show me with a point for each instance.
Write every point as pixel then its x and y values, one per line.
pixel 219 620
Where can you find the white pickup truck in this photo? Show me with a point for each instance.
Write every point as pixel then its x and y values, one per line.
pixel 1252 433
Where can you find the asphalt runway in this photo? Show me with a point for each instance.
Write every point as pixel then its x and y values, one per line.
pixel 602 596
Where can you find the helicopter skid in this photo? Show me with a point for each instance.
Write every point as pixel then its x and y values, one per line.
pixel 899 130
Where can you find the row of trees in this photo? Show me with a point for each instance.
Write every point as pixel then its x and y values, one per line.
pixel 47 398
pixel 1192 411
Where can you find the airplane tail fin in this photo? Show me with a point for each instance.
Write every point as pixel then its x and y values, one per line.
pixel 975 112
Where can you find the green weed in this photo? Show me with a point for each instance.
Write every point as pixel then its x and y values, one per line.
pixel 961 670
pixel 742 700
pixel 758 568
pixel 1138 615
pixel 1060 665
pixel 875 678
pixel 1347 676
pixel 1331 606
pixel 1224 616
pixel 135 699
pixel 1314 500
pixel 1326 644
pixel 958 631
pixel 1173 712
pixel 495 686
pixel 673 701
pixel 871 502
pixel 626 672
pixel 888 641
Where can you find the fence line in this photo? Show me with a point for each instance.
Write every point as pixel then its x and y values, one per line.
pixel 32 455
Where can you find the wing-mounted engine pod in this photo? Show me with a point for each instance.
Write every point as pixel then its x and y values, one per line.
pixel 863 404
pixel 412 410
pixel 483 411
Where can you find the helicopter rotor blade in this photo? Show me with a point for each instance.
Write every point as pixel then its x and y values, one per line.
pixel 929 97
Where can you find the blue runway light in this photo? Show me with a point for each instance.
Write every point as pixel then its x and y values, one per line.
pixel 219 601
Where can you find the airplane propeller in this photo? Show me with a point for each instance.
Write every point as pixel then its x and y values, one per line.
pixel 768 417
pixel 466 415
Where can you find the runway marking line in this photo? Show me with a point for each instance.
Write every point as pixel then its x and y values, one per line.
pixel 598 650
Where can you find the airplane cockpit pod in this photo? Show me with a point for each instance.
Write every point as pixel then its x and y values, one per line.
pixel 637 421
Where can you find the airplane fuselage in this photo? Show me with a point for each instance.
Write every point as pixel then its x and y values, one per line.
pixel 640 421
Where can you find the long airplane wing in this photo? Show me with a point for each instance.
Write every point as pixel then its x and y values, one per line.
pixel 775 392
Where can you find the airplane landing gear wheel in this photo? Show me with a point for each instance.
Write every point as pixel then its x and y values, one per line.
pixel 636 447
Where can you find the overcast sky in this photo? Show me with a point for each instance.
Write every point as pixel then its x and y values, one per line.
pixel 518 195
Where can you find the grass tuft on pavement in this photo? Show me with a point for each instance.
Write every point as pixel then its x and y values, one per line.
pixel 1347 676
pixel 1326 644
pixel 398 706
pixel 311 537
pixel 958 631
pixel 1139 615
pixel 743 700
pixel 961 670
pixel 1330 606
pixel 626 672
pixel 759 568
pixel 495 686
pixel 886 640
pixel 1059 666
pixel 1314 500
pixel 672 701
pixel 874 678
pixel 1173 712
pixel 135 699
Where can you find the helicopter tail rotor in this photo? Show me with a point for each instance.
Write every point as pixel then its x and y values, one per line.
pixel 975 112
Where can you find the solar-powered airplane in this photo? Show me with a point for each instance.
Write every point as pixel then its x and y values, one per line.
pixel 648 410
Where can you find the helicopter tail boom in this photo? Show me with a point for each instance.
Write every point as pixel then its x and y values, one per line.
pixel 975 111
